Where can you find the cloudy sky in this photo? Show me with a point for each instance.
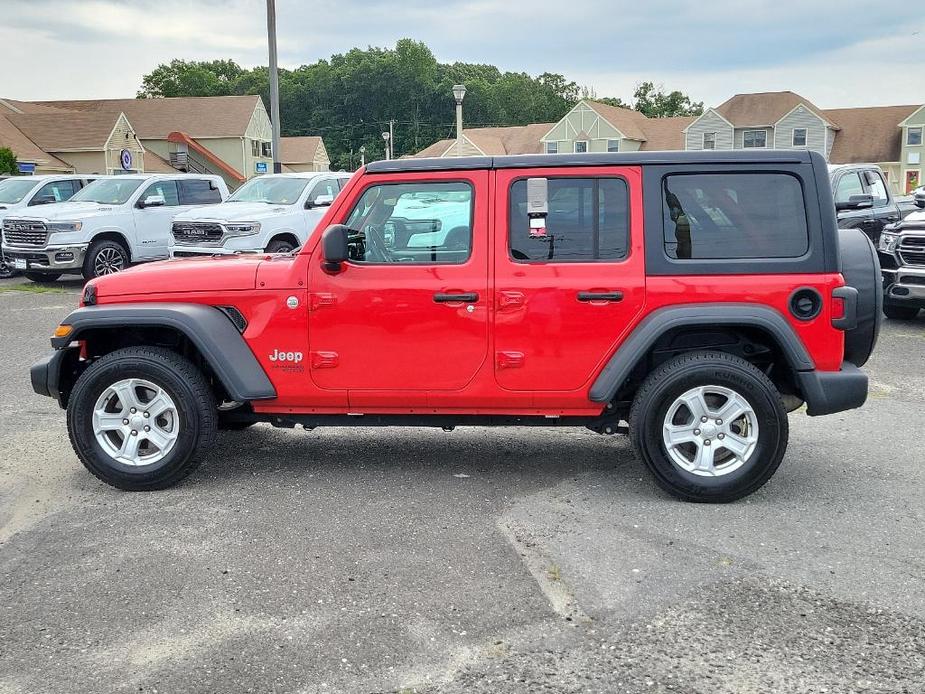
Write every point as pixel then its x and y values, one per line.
pixel 846 53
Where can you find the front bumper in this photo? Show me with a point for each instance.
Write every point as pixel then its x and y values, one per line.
pixel 827 392
pixel 56 258
pixel 904 286
pixel 46 374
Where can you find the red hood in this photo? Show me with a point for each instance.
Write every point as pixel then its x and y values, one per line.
pixel 234 272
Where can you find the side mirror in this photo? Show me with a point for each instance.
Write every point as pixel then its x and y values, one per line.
pixel 319 201
pixel 153 201
pixel 920 202
pixel 334 249
pixel 855 202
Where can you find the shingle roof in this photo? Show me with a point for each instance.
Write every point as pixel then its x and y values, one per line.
pixel 515 139
pixel 665 133
pixel 155 119
pixel 298 150
pixel 24 148
pixel 626 120
pixel 157 164
pixel 59 132
pixel 8 106
pixel 868 134
pixel 765 108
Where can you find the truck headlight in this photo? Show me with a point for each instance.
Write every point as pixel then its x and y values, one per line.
pixel 242 228
pixel 63 226
pixel 888 242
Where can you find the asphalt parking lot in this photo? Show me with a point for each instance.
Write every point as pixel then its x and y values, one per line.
pixel 481 560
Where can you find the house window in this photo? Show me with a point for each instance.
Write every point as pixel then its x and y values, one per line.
pixel 613 145
pixel 709 140
pixel 552 148
pixel 799 137
pixel 581 146
pixel 752 139
pixel 914 137
pixel 255 148
pixel 266 149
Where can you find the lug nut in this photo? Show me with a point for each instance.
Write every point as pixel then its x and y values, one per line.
pixel 147 428
pixel 721 437
pixel 719 421
pixel 147 414
pixel 703 419
pixel 706 442
pixel 125 421
pixel 696 432
pixel 134 433
pixel 133 410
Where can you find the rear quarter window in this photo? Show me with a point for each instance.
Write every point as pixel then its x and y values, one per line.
pixel 741 215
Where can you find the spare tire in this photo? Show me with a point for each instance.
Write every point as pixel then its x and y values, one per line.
pixel 860 267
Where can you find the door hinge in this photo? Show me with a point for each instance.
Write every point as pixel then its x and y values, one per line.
pixel 318 300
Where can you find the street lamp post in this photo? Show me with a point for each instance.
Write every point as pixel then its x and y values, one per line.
pixel 274 83
pixel 388 150
pixel 362 156
pixel 459 93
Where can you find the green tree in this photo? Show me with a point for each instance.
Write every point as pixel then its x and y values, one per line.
pixel 654 102
pixel 8 166
pixel 183 78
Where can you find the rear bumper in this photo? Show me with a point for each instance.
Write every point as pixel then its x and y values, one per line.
pixel 827 392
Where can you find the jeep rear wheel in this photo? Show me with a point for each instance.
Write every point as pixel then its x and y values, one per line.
pixel 139 418
pixel 105 257
pixel 710 427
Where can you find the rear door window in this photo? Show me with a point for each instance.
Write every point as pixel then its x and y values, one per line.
pixel 734 216
pixel 588 221
pixel 199 192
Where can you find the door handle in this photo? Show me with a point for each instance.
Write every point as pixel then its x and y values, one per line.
pixel 469 298
pixel 600 296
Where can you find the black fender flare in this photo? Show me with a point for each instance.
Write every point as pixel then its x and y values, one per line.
pixel 221 345
pixel 621 364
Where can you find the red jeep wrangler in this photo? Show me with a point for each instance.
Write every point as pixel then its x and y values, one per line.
pixel 687 299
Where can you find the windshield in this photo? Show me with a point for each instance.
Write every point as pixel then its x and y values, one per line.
pixel 275 191
pixel 13 190
pixel 108 191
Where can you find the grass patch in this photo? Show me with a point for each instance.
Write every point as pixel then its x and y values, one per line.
pixel 34 288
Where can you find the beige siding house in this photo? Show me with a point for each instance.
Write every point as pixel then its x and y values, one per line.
pixel 300 154
pixel 912 158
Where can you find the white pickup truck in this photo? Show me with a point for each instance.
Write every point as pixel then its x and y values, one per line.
pixel 112 222
pixel 18 193
pixel 274 213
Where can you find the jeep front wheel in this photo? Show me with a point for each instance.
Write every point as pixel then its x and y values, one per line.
pixel 104 258
pixel 139 418
pixel 710 426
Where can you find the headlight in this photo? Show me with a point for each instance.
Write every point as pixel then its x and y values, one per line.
pixel 888 242
pixel 242 229
pixel 63 226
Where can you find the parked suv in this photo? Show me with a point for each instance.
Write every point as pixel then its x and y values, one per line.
pixel 272 214
pixel 112 222
pixel 902 256
pixel 863 199
pixel 20 192
pixel 688 299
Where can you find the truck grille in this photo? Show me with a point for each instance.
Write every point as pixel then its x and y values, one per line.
pixel 912 250
pixel 197 232
pixel 24 233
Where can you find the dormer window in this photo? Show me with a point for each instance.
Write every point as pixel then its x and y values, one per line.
pixel 914 136
pixel 799 137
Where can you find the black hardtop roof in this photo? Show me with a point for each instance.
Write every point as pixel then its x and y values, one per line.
pixel 524 161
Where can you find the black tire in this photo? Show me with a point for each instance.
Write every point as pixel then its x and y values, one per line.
pixel 280 246
pixel 226 425
pixel 895 312
pixel 42 277
pixel 6 270
pixel 675 377
pixel 861 270
pixel 183 382
pixel 105 257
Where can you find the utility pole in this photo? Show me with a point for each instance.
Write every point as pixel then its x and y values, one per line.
pixel 391 139
pixel 274 83
pixel 386 136
pixel 362 155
